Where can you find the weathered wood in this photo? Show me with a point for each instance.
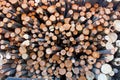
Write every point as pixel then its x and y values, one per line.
pixel 46 38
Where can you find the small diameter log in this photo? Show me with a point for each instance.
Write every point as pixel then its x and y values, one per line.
pixel 98 65
pixel 96 71
pixel 51 9
pixel 25 56
pixel 116 61
pixel 116 25
pixel 48 51
pixel 22 50
pixel 102 76
pixel 112 37
pixel 109 57
pixel 106 68
pixel 33 56
pixel 82 78
pixel 20 67
pixel 68 74
pixel 90 75
pixel 91 60
pixel 68 63
pixel 62 71
pixel 96 54
pixel 76 71
pixel 118 43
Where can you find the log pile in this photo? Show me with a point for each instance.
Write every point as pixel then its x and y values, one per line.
pixel 66 39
